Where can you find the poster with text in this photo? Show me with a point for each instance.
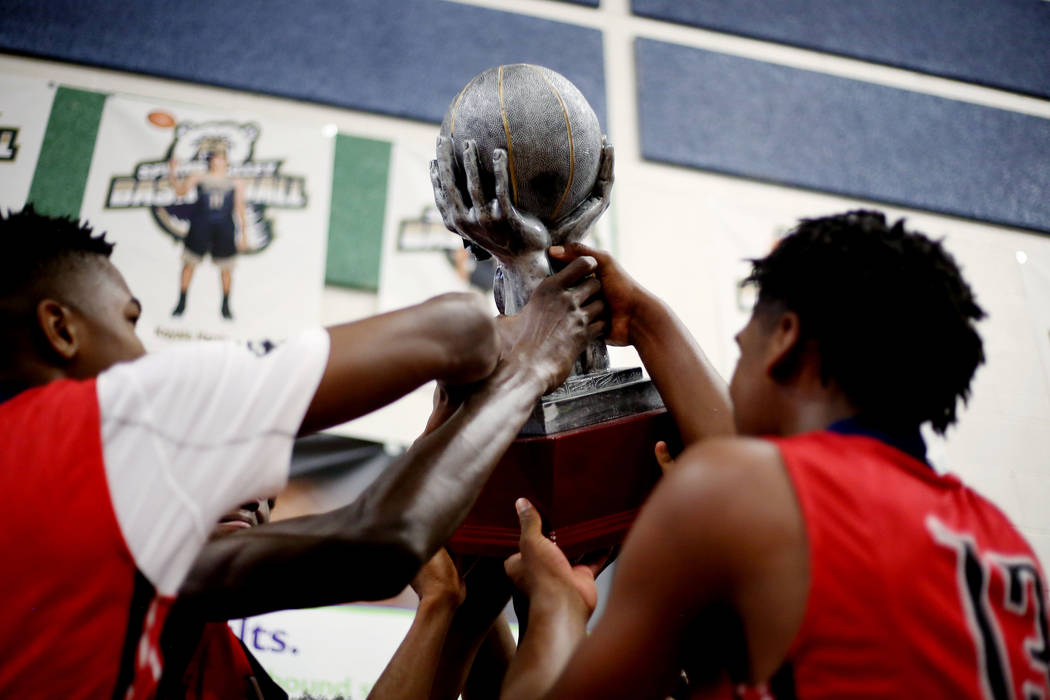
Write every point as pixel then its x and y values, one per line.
pixel 220 219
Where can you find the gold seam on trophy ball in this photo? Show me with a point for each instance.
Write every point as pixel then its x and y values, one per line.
pixel 455 107
pixel 510 146
pixel 572 151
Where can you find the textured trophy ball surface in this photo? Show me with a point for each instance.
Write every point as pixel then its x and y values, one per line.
pixel 543 122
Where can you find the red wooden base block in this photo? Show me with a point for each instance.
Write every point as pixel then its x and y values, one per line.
pixel 587 484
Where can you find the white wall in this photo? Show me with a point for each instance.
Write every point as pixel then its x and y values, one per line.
pixel 683 233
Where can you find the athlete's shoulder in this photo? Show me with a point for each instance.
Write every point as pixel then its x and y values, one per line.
pixel 734 486
pixel 729 458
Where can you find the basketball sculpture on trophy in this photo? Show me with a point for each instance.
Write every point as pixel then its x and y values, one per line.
pixel 522 165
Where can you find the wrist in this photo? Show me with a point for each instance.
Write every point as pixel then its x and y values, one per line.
pixel 445 601
pixel 515 375
pixel 647 316
pixel 558 601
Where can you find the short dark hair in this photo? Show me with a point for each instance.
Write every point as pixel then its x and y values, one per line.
pixel 891 316
pixel 39 251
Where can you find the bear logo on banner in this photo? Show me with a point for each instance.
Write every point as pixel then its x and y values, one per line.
pixel 210 194
pixel 212 161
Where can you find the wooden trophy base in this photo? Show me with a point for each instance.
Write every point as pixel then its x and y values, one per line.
pixel 587 483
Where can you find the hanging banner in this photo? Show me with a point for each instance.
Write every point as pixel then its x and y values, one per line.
pixel 25 105
pixel 220 219
pixel 420 259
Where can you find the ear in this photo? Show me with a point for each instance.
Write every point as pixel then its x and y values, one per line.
pixel 58 328
pixel 784 350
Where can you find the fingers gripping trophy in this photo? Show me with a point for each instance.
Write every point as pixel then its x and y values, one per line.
pixel 522 165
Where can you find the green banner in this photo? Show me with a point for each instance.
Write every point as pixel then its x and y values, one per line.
pixel 65 155
pixel 355 227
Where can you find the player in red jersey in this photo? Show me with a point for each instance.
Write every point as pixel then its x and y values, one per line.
pixel 817 554
pixel 120 462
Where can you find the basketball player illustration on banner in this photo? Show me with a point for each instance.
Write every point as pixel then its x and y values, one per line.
pixel 213 230
pixel 211 195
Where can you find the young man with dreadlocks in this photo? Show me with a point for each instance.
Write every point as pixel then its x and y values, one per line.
pixel 816 553
pixel 118 464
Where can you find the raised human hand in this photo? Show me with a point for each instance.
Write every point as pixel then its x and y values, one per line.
pixel 439 580
pixel 621 293
pixel 663 457
pixel 541 570
pixel 553 328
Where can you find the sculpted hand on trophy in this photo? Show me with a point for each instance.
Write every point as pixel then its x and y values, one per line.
pixel 521 165
pixel 519 240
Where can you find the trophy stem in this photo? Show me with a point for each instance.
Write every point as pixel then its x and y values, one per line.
pixel 595 358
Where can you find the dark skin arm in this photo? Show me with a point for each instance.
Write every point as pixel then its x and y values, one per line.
pixel 432 660
pixel 374 361
pixel 692 390
pixel 561 599
pixel 401 520
pixel 490 663
pixel 479 644
pixel 721 533
pixel 411 671
pixel 433 655
pixel 458 643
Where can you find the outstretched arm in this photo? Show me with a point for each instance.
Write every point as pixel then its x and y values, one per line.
pixel 692 390
pixel 561 599
pixel 489 665
pixel 479 644
pixel 180 185
pixel 401 520
pixel 410 672
pixel 374 361
pixel 449 633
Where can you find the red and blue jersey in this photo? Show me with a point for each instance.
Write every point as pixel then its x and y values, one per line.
pixel 919 587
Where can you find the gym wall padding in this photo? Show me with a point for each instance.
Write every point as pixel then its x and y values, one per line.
pixel 759 120
pixel 407 58
pixel 1000 43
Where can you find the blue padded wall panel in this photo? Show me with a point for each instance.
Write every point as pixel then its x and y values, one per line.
pixel 407 58
pixel 759 120
pixel 1001 43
